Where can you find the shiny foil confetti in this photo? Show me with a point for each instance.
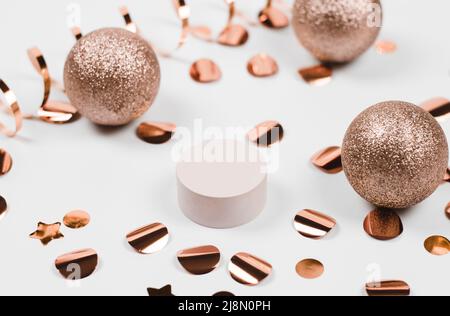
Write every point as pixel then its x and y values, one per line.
pixel 310 269
pixel 319 75
pixel 272 17
pixel 447 210
pixel 205 71
pixel 50 111
pixel 76 32
pixel 6 162
pixel 77 265
pixel 3 207
pixel 447 176
pixel 149 239
pixel 328 160
pixel 266 134
pixel 130 25
pixel 77 219
pixel 223 294
pixel 439 108
pixel 200 260
pixel 249 270
pixel 388 288
pixel 164 291
pixel 14 109
pixel 47 232
pixel 313 224
pixel 437 245
pixel 233 35
pixel 383 224
pixel 156 133
pixel 386 47
pixel 262 65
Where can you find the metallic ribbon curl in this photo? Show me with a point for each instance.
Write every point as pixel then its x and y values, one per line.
pixel 50 111
pixel 14 109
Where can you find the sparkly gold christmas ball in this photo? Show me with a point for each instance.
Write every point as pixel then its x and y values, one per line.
pixel 112 76
pixel 395 154
pixel 337 31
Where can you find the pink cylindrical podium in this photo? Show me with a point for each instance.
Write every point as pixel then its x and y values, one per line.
pixel 222 184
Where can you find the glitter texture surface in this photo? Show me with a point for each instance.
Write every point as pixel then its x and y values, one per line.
pixel 112 76
pixel 335 30
pixel 395 154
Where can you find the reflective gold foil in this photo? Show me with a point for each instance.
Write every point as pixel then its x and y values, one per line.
pixel 47 232
pixel 319 75
pixel 262 65
pixel 77 219
pixel 383 224
pixel 266 134
pixel 272 17
pixel 247 269
pixel 437 245
pixel 310 269
pixel 328 160
pixel 438 107
pixel 200 260
pixel 313 224
pixel 77 265
pixel 13 108
pixel 388 288
pixel 3 207
pixel 164 291
pixel 386 47
pixel 156 133
pixel 205 71
pixel 6 162
pixel 149 239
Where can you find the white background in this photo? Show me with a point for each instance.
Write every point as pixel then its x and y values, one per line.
pixel 125 183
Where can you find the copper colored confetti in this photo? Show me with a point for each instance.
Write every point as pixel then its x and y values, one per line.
pixel 3 207
pixel 262 65
pixel 388 288
pixel 202 32
pixel 47 232
pixel 184 13
pixel 50 111
pixel 149 239
pixel 165 291
pixel 200 260
pixel 6 162
pixel 76 32
pixel 58 112
pixel 14 109
pixel 447 210
pixel 247 269
pixel 156 133
pixel 437 245
pixel 266 134
pixel 312 224
pixel 386 47
pixel 439 108
pixel 205 71
pixel 77 265
pixel 130 25
pixel 383 224
pixel 272 17
pixel 328 160
pixel 319 75
pixel 310 269
pixel 223 294
pixel 77 219
pixel 447 175
pixel 233 35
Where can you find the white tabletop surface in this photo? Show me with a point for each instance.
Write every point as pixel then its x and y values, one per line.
pixel 125 183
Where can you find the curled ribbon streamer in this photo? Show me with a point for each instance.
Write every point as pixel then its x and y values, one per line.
pixel 50 111
pixel 14 108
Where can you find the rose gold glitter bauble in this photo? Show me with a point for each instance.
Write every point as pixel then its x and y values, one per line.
pixel 395 154
pixel 112 76
pixel 337 31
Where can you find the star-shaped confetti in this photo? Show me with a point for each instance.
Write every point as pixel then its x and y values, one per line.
pixel 47 232
pixel 165 291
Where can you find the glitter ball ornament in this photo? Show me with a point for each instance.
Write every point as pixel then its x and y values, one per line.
pixel 337 31
pixel 112 76
pixel 395 154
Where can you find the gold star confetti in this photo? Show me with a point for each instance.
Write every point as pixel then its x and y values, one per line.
pixel 47 232
pixel 165 291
